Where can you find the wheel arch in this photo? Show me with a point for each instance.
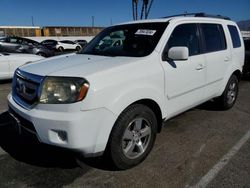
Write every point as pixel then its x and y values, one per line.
pixel 238 74
pixel 155 108
pixel 152 104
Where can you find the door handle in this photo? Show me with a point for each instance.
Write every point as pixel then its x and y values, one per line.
pixel 200 67
pixel 226 59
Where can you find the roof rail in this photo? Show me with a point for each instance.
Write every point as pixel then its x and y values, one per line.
pixel 200 14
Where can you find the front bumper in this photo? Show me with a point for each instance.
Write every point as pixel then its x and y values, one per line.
pixel 83 131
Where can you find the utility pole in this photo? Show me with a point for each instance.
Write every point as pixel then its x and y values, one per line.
pixel 93 21
pixel 32 20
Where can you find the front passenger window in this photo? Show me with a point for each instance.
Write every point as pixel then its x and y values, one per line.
pixel 185 35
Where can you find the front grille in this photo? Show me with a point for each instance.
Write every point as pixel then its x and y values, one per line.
pixel 26 88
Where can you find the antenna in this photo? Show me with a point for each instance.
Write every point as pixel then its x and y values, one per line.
pixel 93 21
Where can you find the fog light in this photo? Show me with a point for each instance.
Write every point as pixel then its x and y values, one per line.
pixel 62 135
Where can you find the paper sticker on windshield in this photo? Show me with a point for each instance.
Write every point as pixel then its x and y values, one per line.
pixel 145 32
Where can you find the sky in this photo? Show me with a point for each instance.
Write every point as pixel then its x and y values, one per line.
pixel 108 12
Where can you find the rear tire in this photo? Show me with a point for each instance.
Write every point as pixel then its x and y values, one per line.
pixel 60 49
pixel 132 137
pixel 78 48
pixel 229 96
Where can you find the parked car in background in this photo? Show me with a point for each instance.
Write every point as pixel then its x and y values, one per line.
pixel 246 69
pixel 81 42
pixel 68 45
pixel 10 62
pixel 13 44
pixel 50 44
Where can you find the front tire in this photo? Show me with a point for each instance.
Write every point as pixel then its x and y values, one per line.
pixel 229 96
pixel 133 136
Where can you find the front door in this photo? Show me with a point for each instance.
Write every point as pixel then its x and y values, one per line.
pixel 184 79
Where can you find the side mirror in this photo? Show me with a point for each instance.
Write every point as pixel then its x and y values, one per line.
pixel 178 53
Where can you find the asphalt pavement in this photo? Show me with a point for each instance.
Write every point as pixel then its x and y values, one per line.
pixel 202 147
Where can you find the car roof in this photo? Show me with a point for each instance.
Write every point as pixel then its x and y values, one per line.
pixel 181 18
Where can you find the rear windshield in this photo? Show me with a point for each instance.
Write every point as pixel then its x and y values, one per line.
pixel 134 40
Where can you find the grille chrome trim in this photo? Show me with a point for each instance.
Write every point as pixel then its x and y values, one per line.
pixel 26 88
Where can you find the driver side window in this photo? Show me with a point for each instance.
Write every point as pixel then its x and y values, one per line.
pixel 185 35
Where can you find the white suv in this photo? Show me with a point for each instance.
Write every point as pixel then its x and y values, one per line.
pixel 114 99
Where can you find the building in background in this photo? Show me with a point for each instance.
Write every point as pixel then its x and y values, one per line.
pixel 70 31
pixel 21 31
pixel 35 31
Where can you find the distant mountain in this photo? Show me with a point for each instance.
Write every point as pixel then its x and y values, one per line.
pixel 244 25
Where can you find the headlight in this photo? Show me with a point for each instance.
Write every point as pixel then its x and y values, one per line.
pixel 56 90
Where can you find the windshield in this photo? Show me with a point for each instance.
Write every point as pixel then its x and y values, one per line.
pixel 135 40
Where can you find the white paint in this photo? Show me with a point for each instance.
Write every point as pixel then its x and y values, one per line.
pixel 205 180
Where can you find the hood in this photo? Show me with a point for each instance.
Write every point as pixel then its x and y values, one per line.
pixel 76 65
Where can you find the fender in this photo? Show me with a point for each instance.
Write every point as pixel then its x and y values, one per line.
pixel 122 102
pixel 234 67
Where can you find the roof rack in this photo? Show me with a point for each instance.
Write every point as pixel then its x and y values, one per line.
pixel 200 14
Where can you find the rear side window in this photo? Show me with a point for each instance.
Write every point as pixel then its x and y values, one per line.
pixel 185 35
pixel 214 37
pixel 234 36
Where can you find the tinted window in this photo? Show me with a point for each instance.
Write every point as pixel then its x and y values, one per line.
pixel 32 42
pixel 15 40
pixel 185 35
pixel 234 36
pixel 49 42
pixel 214 37
pixel 64 41
pixel 67 42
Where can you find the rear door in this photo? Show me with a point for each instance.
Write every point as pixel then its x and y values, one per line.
pixel 217 55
